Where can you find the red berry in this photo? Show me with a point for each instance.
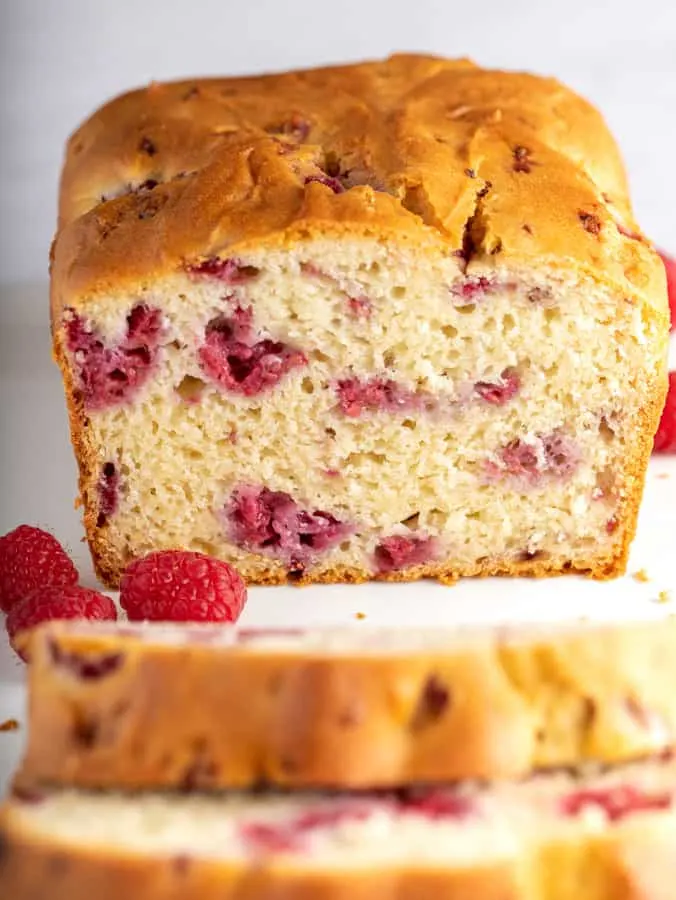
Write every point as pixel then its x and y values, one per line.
pixel 235 359
pixel 665 439
pixel 499 392
pixel 111 374
pixel 31 558
pixel 179 586
pixel 670 266
pixel 57 602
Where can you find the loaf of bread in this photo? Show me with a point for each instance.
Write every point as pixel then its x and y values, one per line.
pixel 153 706
pixel 386 320
pixel 595 837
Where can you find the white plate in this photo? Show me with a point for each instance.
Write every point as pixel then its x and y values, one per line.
pixel 37 485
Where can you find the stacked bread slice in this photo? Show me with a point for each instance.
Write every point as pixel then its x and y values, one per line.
pixel 210 763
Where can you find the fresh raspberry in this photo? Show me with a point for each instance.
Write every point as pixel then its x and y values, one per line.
pixel 31 558
pixel 665 439
pixel 57 601
pixel 670 266
pixel 180 586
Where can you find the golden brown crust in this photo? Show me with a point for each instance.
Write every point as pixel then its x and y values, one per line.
pixel 516 170
pixel 634 861
pixel 435 133
pixel 484 705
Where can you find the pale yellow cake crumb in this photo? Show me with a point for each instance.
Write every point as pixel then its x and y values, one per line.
pixel 641 576
pixel 664 597
pixel 360 615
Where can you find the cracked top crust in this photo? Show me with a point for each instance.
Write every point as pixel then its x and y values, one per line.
pixel 509 169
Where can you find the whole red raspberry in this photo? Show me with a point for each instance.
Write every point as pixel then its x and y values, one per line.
pixel 665 439
pixel 31 558
pixel 180 586
pixel 670 266
pixel 57 602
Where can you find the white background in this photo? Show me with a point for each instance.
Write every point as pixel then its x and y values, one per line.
pixel 60 59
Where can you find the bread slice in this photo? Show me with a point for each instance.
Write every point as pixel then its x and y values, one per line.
pixel 560 837
pixel 389 320
pixel 204 707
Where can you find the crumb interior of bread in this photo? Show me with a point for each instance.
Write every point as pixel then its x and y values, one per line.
pixel 183 444
pixel 501 819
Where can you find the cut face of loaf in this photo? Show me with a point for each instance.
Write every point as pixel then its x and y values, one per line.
pixel 449 363
pixel 507 841
pixel 142 706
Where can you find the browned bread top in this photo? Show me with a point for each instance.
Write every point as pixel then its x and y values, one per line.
pixel 510 168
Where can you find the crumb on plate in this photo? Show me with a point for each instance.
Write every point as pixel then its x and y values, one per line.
pixel 641 576
pixel 9 725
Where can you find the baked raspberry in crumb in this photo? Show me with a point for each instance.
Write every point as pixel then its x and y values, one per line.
pixel 110 375
pixel 182 586
pixel 616 802
pixel 553 455
pixel 499 392
pixel 474 288
pixel 57 602
pixel 360 307
pixel 433 803
pixel 377 394
pixel 273 522
pixel 108 486
pixel 292 835
pixel 670 267
pixel 31 558
pixel 328 181
pixel 229 271
pixel 665 439
pixel 401 552
pixel 233 358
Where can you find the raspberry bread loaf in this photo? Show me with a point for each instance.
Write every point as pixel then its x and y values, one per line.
pixel 559 837
pixel 386 320
pixel 206 707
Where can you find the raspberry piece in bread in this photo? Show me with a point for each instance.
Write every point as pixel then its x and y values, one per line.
pixel 468 841
pixel 403 706
pixel 408 272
